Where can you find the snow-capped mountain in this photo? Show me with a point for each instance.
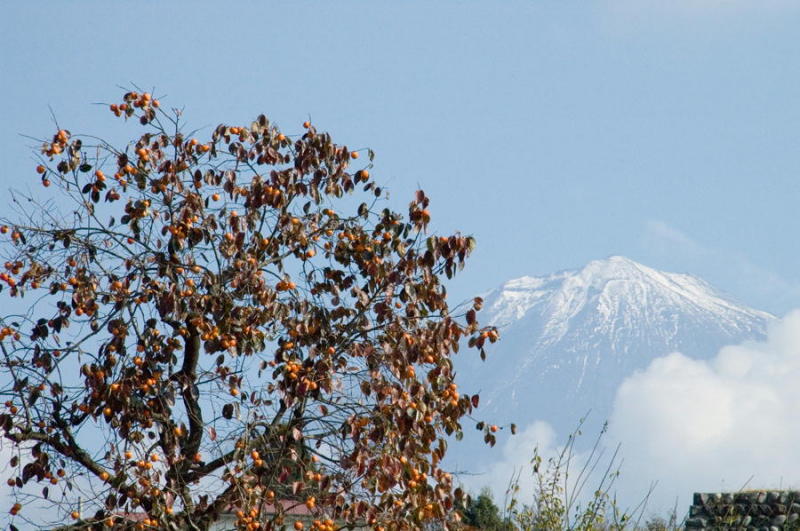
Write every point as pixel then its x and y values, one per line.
pixel 570 338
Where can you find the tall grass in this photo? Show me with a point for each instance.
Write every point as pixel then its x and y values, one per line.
pixel 562 499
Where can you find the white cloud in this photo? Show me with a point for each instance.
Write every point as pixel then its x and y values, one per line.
pixel 666 238
pixel 517 454
pixel 580 473
pixel 689 425
pixel 728 270
pixel 717 425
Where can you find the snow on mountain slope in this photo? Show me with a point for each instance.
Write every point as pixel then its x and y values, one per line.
pixel 570 338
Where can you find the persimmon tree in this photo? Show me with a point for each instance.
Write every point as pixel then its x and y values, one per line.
pixel 235 324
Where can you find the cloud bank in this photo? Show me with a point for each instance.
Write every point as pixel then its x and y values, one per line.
pixel 580 472
pixel 721 424
pixel 517 454
pixel 757 285
pixel 689 425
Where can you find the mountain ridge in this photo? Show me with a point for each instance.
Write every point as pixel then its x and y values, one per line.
pixel 568 339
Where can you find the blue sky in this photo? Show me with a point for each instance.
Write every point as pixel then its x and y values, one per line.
pixel 556 132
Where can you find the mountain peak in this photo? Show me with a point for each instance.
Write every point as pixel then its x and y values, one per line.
pixel 615 265
pixel 576 333
pixel 615 268
pixel 612 283
pixel 616 261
